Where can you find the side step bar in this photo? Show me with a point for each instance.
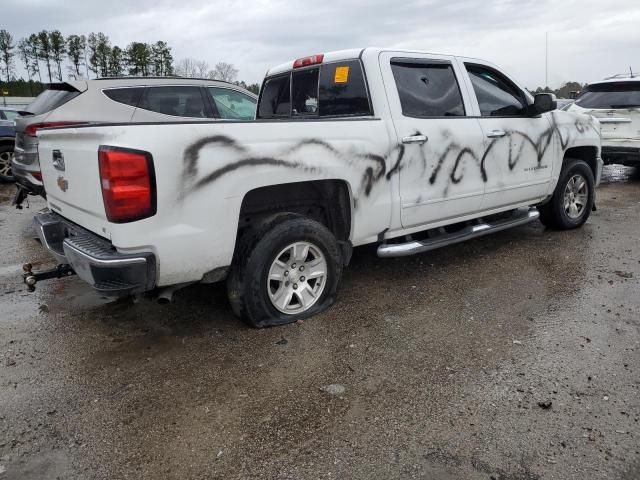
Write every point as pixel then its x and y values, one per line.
pixel 520 217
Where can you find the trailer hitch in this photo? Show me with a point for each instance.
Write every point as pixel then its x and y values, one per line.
pixel 30 278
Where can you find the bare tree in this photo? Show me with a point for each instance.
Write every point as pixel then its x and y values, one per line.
pixel 187 67
pixel 6 52
pixel 224 71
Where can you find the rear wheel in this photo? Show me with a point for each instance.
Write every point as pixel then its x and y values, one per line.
pixel 572 200
pixel 287 269
pixel 6 156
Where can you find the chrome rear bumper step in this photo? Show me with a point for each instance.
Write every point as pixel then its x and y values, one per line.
pixel 519 217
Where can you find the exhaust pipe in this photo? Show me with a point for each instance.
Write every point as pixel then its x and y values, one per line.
pixel 165 295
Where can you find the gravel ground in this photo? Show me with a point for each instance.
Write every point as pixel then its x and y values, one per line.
pixel 514 356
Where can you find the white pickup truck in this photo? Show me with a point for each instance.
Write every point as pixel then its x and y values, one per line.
pixel 409 150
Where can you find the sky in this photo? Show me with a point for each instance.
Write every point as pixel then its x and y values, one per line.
pixel 588 39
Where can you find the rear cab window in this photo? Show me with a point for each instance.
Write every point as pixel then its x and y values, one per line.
pixel 55 96
pixel 333 89
pixel 611 95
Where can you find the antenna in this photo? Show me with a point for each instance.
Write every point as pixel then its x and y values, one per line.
pixel 630 72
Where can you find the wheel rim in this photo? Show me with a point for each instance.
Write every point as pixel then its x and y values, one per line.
pixel 576 196
pixel 5 163
pixel 297 277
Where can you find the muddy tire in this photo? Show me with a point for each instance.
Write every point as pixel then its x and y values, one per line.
pixel 573 198
pixel 287 269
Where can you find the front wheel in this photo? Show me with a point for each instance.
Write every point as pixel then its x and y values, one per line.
pixel 287 269
pixel 6 156
pixel 573 198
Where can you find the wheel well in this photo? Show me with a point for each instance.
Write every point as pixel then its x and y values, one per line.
pixel 7 141
pixel 326 201
pixel 588 154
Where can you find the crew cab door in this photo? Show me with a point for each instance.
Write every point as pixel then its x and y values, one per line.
pixel 520 147
pixel 440 145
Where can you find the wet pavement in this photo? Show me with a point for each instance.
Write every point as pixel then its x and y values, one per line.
pixel 514 356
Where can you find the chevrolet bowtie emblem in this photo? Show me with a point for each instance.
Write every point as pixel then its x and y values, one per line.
pixel 63 184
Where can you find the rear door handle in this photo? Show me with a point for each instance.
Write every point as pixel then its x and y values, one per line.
pixel 496 133
pixel 415 139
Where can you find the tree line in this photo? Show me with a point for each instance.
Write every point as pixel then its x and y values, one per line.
pixel 48 56
pixel 567 90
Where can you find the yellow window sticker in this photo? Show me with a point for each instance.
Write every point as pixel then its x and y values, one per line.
pixel 341 75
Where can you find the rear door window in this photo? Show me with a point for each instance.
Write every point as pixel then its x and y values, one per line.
pixel 275 99
pixel 175 100
pixel 233 105
pixel 129 95
pixel 611 95
pixel 55 96
pixel 427 88
pixel 497 96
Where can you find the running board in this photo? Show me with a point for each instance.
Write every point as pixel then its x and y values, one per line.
pixel 520 217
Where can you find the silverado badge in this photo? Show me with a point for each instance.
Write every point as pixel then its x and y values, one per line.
pixel 63 184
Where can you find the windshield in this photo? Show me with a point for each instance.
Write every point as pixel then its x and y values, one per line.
pixel 611 95
pixel 52 98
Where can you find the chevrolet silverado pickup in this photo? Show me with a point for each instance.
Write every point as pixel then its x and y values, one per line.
pixel 408 150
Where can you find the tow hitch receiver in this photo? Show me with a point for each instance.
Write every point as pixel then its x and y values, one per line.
pixel 30 278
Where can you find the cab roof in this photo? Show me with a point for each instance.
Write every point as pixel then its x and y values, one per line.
pixel 352 53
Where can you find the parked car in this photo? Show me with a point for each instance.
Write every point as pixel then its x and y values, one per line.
pixel 121 100
pixel 616 103
pixel 409 150
pixel 8 114
pixel 7 141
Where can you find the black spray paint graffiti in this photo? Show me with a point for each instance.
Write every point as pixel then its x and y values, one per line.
pixel 376 165
pixel 540 147
pixel 373 172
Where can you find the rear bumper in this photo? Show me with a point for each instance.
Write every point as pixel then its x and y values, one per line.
pixel 95 259
pixel 624 155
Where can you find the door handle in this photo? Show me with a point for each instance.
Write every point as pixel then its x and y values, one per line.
pixel 415 139
pixel 496 133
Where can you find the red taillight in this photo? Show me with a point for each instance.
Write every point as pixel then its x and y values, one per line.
pixel 306 61
pixel 128 184
pixel 32 129
pixel 37 175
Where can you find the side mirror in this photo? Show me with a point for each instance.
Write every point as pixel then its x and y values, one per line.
pixel 544 102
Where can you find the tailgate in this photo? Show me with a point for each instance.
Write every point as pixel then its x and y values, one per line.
pixel 619 124
pixel 71 176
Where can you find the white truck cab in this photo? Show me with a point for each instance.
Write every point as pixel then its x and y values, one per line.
pixel 409 150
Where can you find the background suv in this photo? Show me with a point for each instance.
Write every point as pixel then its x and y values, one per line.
pixel 121 100
pixel 7 141
pixel 616 103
